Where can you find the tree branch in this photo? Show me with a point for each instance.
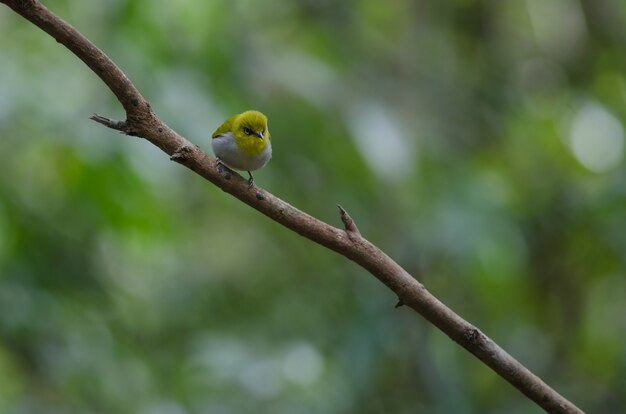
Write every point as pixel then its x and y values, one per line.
pixel 143 122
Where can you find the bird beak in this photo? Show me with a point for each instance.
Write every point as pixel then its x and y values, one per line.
pixel 259 134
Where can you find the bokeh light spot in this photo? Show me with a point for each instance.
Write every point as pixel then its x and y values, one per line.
pixel 303 364
pixel 597 138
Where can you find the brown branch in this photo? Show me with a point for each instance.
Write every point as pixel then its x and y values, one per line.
pixel 143 122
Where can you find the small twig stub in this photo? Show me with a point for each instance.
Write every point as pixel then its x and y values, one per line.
pixel 348 223
pixel 121 126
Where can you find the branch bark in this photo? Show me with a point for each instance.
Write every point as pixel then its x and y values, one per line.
pixel 141 121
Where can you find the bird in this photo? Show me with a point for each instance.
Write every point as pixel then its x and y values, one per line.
pixel 243 142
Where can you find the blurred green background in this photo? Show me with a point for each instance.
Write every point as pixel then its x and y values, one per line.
pixel 479 143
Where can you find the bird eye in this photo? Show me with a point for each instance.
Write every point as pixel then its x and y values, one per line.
pixel 247 131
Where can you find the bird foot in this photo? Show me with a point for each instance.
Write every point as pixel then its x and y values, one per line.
pixel 221 168
pixel 250 180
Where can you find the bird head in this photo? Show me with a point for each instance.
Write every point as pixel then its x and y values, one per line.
pixel 251 125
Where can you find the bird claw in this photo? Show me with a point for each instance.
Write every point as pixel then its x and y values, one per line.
pixel 223 169
pixel 219 165
pixel 250 180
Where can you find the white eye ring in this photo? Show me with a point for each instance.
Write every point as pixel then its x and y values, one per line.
pixel 247 131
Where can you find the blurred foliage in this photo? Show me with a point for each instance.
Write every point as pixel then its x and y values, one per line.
pixel 479 143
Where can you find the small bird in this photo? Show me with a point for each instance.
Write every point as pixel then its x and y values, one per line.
pixel 243 142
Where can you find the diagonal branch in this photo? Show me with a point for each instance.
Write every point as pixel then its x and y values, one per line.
pixel 143 122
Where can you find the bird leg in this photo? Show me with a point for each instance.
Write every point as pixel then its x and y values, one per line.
pixel 250 180
pixel 220 166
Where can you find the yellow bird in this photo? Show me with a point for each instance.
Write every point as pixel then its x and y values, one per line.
pixel 243 142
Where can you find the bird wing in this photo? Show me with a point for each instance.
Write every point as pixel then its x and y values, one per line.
pixel 227 126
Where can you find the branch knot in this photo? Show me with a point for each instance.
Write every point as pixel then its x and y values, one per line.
pixel 473 335
pixel 182 154
pixel 22 4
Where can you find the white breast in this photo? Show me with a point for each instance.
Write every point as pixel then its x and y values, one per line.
pixel 226 150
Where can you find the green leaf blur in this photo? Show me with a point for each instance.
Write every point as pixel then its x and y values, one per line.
pixel 480 144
